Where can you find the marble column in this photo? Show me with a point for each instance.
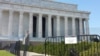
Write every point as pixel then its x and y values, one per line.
pixel 58 26
pixel 73 27
pixel 40 26
pixel 87 26
pixel 10 23
pixel 80 26
pixel 0 21
pixel 66 26
pixel 49 26
pixel 31 24
pixel 20 24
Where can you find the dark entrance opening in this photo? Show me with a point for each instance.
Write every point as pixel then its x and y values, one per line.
pixel 34 25
pixel 52 26
pixel 43 26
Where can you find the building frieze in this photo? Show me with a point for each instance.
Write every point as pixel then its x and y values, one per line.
pixel 43 10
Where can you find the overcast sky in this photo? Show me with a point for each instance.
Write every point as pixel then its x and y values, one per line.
pixel 92 6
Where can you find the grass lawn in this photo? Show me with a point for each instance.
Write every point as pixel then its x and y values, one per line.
pixel 5 53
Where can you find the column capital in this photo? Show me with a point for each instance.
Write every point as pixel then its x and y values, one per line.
pixel 66 16
pixel 86 19
pixel 58 16
pixel 73 18
pixel 80 18
pixel 21 12
pixel 31 13
pixel 50 15
pixel 40 14
pixel 11 10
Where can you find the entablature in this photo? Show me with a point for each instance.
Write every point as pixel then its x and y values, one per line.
pixel 43 4
pixel 16 7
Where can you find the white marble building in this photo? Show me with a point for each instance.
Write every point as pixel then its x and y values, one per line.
pixel 42 18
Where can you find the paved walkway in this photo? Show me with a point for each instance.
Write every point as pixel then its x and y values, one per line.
pixel 33 54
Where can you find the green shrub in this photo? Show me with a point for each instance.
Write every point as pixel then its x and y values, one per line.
pixel 38 48
pixel 94 50
pixel 30 48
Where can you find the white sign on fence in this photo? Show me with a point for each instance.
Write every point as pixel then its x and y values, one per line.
pixel 70 40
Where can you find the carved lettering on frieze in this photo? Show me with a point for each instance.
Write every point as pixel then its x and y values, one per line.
pixel 5 0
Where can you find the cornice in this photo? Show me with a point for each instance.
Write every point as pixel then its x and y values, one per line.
pixel 76 11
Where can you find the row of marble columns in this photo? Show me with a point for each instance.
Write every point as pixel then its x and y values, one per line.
pixel 20 32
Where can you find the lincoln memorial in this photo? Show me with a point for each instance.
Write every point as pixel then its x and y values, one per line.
pixel 42 18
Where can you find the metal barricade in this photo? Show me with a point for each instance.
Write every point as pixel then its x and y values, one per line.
pixel 88 45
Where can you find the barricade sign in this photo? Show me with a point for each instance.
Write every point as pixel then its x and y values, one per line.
pixel 70 40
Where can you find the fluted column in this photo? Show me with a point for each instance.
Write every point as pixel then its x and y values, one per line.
pixel 10 23
pixel 20 24
pixel 73 27
pixel 31 24
pixel 87 26
pixel 66 26
pixel 80 26
pixel 58 26
pixel 0 21
pixel 40 26
pixel 49 26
